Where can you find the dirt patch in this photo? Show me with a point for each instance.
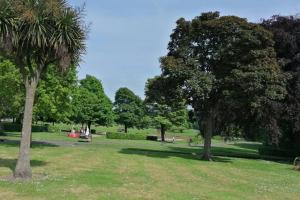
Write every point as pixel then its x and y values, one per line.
pixel 36 177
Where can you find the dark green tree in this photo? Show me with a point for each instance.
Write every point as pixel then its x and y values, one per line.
pixel 128 108
pixel 286 31
pixel 90 104
pixel 36 34
pixel 226 69
pixel 164 113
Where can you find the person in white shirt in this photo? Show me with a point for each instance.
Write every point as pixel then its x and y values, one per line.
pixel 87 132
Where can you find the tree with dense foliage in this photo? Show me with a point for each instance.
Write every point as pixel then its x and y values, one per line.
pixel 11 91
pixel 54 93
pixel 286 31
pixel 165 115
pixel 226 69
pixel 128 108
pixel 36 34
pixel 90 103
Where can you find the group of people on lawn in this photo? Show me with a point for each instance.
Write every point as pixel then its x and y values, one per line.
pixel 84 132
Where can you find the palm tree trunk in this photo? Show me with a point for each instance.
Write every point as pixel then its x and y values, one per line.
pixel 23 169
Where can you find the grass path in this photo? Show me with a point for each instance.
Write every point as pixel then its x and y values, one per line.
pixel 121 169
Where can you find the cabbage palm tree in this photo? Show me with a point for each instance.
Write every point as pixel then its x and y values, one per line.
pixel 36 34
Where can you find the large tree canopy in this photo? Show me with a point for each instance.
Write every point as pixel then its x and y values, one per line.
pixel 54 95
pixel 286 31
pixel 90 104
pixel 164 113
pixel 226 69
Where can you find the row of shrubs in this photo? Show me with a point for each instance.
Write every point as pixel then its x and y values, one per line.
pixel 131 136
pixel 126 136
pixel 11 127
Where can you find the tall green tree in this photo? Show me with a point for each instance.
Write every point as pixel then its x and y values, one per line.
pixel 165 114
pixel 226 69
pixel 54 95
pixel 286 31
pixel 36 34
pixel 128 108
pixel 90 103
pixel 11 90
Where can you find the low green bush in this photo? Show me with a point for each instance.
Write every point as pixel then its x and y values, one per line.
pixel 152 137
pixel 126 136
pixel 218 138
pixel 54 128
pixel 198 139
pixel 11 127
pixel 177 129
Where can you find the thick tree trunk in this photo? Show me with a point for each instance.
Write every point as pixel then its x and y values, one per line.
pixel 208 131
pixel 23 169
pixel 162 132
pixel 126 128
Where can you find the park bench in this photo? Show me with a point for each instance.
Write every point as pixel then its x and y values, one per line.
pixel 86 138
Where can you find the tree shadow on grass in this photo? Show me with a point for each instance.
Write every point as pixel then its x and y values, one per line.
pixel 11 163
pixel 10 134
pixel 168 154
pixel 246 145
pixel 34 144
pixel 220 154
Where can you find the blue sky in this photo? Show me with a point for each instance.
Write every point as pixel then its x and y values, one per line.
pixel 127 37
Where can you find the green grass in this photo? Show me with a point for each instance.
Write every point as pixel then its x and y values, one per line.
pixel 124 169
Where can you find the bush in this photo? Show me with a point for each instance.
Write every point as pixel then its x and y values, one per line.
pixel 177 129
pixel 54 128
pixel 272 151
pixel 126 136
pixel 198 139
pixel 11 127
pixel 152 137
pixel 218 138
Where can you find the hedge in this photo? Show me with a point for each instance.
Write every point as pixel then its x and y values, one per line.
pixel 152 137
pixel 126 136
pixel 10 127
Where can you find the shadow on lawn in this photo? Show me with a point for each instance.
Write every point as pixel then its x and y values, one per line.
pixel 220 154
pixel 173 152
pixel 11 134
pixel 34 144
pixel 250 146
pixel 11 163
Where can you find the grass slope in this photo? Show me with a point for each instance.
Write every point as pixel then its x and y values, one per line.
pixel 121 169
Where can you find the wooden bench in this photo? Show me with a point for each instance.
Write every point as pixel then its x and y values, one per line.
pixel 87 138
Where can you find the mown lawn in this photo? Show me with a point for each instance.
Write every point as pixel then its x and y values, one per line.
pixel 121 169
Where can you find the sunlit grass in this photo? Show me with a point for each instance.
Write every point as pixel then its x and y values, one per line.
pixel 123 169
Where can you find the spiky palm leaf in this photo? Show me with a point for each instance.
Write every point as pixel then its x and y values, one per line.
pixel 47 30
pixel 7 25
